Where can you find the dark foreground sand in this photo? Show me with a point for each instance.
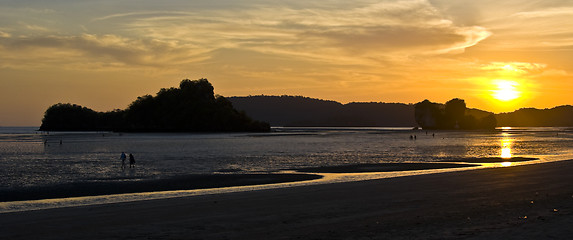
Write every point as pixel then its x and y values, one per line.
pixel 523 202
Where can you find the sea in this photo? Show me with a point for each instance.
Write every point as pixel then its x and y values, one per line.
pixel 32 158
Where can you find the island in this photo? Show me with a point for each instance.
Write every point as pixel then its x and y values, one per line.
pixel 193 107
pixel 451 115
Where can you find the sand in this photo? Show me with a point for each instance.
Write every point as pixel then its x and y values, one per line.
pixel 521 202
pixel 106 187
pixel 225 178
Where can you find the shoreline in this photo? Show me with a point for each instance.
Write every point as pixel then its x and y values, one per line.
pixel 530 201
pixel 188 182
pixel 225 179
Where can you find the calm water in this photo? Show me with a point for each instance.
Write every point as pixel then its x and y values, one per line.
pixel 30 158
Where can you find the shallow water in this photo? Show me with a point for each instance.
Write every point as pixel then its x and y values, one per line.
pixel 36 159
pixel 30 158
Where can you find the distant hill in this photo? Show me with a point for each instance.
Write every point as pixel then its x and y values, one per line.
pixel 304 111
pixel 561 116
pixel 194 107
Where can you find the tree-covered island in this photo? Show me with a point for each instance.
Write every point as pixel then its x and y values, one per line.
pixel 193 107
pixel 451 115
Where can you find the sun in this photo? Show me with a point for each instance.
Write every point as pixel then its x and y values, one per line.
pixel 506 90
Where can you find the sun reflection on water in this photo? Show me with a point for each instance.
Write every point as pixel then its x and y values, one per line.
pixel 506 143
pixel 506 152
pixel 505 164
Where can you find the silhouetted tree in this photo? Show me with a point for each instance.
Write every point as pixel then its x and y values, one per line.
pixel 69 117
pixel 428 115
pixel 488 122
pixel 454 113
pixel 469 122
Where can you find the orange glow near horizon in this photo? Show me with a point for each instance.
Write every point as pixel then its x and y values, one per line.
pixel 506 90
pixel 508 86
pixel 104 57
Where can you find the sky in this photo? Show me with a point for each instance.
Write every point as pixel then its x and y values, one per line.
pixel 496 55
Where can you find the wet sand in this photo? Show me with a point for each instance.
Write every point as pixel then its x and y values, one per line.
pixel 521 202
pixel 497 159
pixel 229 178
pixel 119 186
pixel 383 167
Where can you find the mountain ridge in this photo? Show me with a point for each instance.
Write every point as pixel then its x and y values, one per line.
pixel 300 111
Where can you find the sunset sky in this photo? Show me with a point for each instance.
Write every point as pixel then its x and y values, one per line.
pixel 497 55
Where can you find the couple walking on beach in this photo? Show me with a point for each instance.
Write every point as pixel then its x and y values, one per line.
pixel 123 157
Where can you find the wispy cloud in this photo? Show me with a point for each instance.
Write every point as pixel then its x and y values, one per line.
pixel 111 49
pixel 35 28
pixel 342 50
pixel 4 34
pixel 550 12
pixel 364 33
pixel 409 27
pixel 137 14
pixel 514 67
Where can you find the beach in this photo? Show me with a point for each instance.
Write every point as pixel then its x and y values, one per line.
pixel 521 202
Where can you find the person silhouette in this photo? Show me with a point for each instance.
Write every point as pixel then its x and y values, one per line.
pixel 122 158
pixel 131 160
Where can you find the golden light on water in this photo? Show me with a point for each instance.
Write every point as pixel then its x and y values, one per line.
pixel 506 164
pixel 506 143
pixel 506 152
